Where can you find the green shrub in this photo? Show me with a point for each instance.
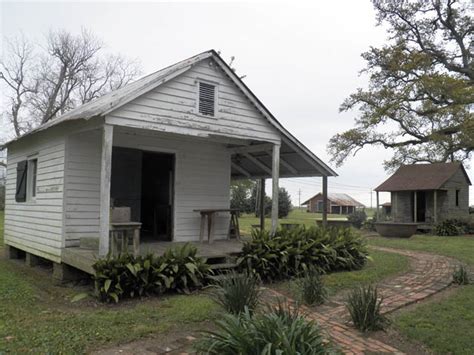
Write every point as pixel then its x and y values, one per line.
pixel 126 276
pixel 364 306
pixel 448 227
pixel 311 288
pixel 237 292
pixel 277 331
pixel 461 276
pixel 357 218
pixel 181 268
pixel 290 252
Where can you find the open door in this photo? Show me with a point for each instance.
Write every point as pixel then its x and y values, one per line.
pixel 157 196
pixel 144 181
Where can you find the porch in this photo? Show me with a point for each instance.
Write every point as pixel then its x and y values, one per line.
pixel 219 251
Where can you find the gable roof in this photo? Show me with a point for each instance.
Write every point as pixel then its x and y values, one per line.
pixel 338 199
pixel 421 177
pixel 117 98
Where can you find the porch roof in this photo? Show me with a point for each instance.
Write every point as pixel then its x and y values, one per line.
pixel 296 159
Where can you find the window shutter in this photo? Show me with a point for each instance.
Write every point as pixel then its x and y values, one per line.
pixel 21 171
pixel 207 95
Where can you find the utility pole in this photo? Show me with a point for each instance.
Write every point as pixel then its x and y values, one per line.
pixel 299 198
pixel 371 198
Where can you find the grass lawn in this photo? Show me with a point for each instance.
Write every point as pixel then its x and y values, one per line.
pixel 299 216
pixel 380 267
pixel 36 316
pixel 445 326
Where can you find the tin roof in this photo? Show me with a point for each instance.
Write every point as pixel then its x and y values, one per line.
pixel 338 199
pixel 421 177
pixel 305 161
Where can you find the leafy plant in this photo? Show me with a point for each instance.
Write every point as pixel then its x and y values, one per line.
pixel 448 227
pixel 290 252
pixel 181 268
pixel 364 306
pixel 280 330
pixel 178 269
pixel 357 218
pixel 237 292
pixel 311 288
pixel 461 275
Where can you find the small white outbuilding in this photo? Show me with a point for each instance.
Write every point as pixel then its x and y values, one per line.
pixel 164 146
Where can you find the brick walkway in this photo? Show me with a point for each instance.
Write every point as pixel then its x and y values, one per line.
pixel 428 275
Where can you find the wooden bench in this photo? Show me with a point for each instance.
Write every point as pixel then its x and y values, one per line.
pixel 208 215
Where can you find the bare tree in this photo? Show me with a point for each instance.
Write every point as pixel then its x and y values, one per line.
pixel 44 82
pixel 40 83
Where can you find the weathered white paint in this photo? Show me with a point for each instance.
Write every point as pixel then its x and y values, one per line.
pixel 105 176
pixel 172 107
pixel 36 225
pixel 82 189
pixel 275 188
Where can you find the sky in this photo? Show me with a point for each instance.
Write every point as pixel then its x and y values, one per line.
pixel 301 59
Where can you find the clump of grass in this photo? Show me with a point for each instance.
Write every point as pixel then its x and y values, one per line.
pixel 364 306
pixel 461 276
pixel 278 330
pixel 237 292
pixel 311 288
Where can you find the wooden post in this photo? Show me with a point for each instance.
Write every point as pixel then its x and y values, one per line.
pixel 262 204
pixel 325 201
pixel 105 176
pixel 435 206
pixel 377 213
pixel 275 189
pixel 415 206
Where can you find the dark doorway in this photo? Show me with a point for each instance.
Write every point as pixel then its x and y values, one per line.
pixel 144 181
pixel 420 205
pixel 157 195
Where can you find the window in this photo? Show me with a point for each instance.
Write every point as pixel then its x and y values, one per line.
pixel 207 96
pixel 26 171
pixel 319 206
pixel 31 177
pixel 457 198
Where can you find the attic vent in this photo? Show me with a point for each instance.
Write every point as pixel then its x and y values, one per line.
pixel 207 95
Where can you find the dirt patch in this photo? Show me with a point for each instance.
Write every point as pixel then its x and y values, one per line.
pixel 176 341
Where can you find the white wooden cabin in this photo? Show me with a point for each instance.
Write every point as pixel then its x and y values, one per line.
pixel 165 146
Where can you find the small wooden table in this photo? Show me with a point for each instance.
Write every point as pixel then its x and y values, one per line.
pixel 120 235
pixel 210 214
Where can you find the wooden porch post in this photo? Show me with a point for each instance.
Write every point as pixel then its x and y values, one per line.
pixel 415 206
pixel 262 204
pixel 377 213
pixel 275 189
pixel 105 176
pixel 325 201
pixel 435 206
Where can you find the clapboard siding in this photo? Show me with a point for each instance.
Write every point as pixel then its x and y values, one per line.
pixel 82 192
pixel 172 107
pixel 37 226
pixel 202 179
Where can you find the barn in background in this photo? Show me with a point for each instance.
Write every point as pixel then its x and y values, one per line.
pixel 338 203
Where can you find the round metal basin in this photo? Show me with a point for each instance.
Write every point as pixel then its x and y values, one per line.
pixel 395 230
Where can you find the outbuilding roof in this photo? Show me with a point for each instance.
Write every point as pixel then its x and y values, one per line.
pixel 338 199
pixel 296 159
pixel 421 177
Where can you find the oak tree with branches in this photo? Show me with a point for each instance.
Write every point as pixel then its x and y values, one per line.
pixel 419 102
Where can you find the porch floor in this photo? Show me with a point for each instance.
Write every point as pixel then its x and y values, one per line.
pixel 83 259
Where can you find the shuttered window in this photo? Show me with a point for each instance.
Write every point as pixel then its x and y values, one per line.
pixel 21 176
pixel 31 177
pixel 207 97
